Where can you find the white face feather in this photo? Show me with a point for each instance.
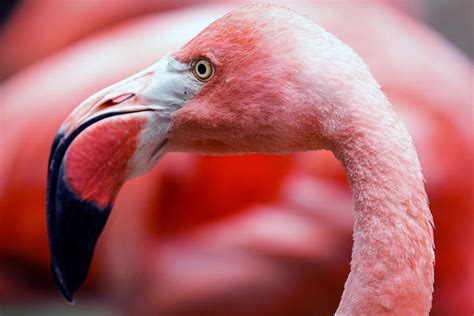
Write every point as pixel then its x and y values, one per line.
pixel 172 84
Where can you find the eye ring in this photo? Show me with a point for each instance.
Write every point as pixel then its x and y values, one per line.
pixel 203 69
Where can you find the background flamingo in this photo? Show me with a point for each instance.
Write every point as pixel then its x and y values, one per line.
pixel 445 186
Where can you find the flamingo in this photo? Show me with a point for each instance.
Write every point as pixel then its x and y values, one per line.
pixel 236 88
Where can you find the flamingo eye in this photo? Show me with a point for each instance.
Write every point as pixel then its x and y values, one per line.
pixel 203 69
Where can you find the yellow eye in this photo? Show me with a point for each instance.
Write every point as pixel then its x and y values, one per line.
pixel 203 69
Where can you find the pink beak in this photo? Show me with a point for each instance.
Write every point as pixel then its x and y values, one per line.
pixel 117 133
pixel 87 167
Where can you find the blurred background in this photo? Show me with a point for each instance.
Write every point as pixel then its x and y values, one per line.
pixel 247 235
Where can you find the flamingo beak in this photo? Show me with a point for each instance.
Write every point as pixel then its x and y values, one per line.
pixel 118 133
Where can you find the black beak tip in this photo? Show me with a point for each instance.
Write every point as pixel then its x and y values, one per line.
pixel 74 225
pixel 65 290
pixel 68 296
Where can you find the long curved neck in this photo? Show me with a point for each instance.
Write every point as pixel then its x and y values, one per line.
pixel 392 256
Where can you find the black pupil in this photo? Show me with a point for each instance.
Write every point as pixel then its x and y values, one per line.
pixel 202 69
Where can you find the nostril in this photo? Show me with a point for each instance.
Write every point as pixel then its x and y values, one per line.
pixel 122 98
pixel 119 99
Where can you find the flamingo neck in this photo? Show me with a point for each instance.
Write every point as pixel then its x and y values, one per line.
pixel 392 256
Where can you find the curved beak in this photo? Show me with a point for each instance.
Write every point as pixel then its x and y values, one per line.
pixel 117 133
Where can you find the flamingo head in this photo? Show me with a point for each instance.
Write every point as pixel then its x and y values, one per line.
pixel 240 86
